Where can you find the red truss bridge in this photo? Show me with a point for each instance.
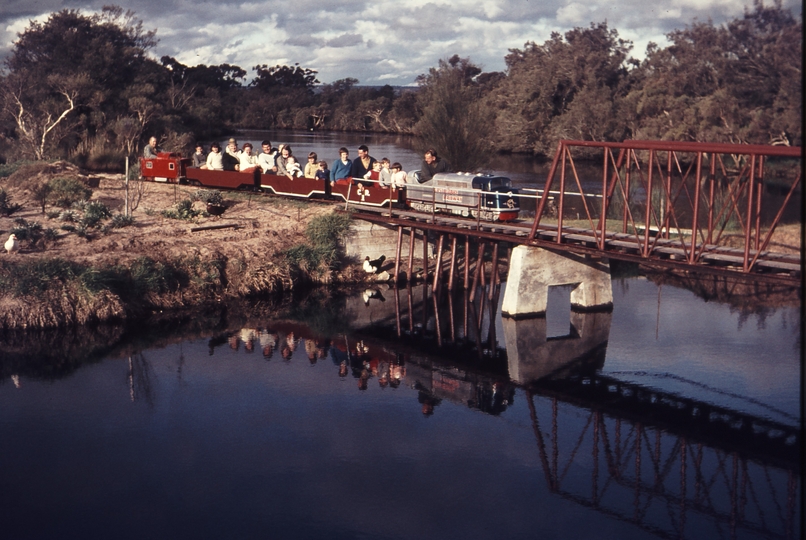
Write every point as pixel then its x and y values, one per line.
pixel 697 207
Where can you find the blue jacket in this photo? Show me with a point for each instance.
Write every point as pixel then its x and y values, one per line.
pixel 340 170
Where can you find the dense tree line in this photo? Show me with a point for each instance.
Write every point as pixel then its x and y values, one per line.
pixel 84 87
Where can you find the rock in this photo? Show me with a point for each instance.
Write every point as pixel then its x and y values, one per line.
pixel 383 276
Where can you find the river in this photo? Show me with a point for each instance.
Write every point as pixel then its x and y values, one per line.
pixel 389 414
pixel 322 423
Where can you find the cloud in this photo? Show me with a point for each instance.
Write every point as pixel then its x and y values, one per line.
pixel 574 13
pixel 305 41
pixel 344 40
pixel 377 42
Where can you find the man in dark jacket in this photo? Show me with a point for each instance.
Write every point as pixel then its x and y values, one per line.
pixel 362 164
pixel 432 164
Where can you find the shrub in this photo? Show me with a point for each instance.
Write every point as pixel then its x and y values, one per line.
pixel 321 253
pixel 327 230
pixel 120 220
pixel 64 192
pixel 70 216
pixel 208 196
pixel 7 169
pixel 6 206
pixel 134 169
pixel 27 231
pixel 182 210
pixel 94 212
pixel 35 277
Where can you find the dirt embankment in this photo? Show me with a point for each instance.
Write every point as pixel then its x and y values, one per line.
pixel 153 264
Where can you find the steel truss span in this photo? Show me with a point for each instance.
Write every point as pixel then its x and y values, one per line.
pixel 690 206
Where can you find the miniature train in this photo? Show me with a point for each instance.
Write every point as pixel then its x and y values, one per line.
pixel 490 198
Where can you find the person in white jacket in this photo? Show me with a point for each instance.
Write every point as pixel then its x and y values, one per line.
pixel 215 161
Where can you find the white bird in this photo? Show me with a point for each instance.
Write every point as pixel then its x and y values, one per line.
pixel 11 244
pixel 369 294
pixel 372 267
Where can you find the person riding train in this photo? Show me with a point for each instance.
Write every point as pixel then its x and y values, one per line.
pixel 432 164
pixel 341 167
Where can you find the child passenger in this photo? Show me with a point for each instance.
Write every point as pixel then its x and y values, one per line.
pixel 375 173
pixel 323 173
pixel 398 175
pixel 292 167
pixel 386 173
pixel 311 166
pixel 215 160
pixel 199 158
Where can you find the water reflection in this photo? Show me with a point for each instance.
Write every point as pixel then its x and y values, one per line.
pixel 502 419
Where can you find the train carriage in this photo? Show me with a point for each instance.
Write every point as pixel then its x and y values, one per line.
pixel 209 178
pixel 365 193
pixel 298 187
pixel 492 198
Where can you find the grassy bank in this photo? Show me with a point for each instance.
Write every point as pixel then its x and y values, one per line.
pixel 81 262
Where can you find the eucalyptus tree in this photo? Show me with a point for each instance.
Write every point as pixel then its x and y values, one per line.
pixel 72 76
pixel 454 119
pixel 570 87
pixel 739 82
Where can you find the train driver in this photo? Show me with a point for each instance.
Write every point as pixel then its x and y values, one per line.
pixel 151 150
pixel 432 164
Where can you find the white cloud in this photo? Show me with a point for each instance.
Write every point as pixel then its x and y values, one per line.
pixel 377 42
pixel 573 13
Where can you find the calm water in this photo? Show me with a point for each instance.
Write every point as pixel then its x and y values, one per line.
pixel 311 418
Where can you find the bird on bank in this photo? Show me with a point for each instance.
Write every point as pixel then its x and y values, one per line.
pixel 12 244
pixel 373 267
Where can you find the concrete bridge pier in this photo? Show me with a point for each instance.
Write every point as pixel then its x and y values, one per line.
pixel 532 270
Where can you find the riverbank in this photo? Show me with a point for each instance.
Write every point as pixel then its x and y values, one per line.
pixel 172 255
pixel 67 273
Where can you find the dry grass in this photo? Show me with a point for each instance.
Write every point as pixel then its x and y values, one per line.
pixel 241 260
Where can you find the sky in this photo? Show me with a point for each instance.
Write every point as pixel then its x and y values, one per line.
pixel 379 42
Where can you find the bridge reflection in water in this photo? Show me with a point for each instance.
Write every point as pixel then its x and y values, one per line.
pixel 673 466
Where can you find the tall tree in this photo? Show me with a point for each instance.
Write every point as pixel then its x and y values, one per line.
pixel 570 87
pixel 738 82
pixel 73 70
pixel 454 119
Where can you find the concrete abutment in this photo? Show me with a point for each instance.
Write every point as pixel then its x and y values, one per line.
pixel 532 270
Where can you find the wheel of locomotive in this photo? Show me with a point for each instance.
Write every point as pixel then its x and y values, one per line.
pixel 195 183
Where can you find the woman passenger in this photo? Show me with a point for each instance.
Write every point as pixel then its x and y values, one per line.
pixel 248 161
pixel 282 159
pixel 341 167
pixel 215 161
